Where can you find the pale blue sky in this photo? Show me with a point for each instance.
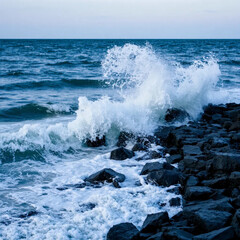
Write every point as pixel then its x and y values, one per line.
pixel 119 18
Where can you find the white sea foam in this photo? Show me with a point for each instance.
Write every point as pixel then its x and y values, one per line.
pixel 148 86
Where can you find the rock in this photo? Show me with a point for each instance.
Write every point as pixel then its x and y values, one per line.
pixel 236 223
pixel 236 202
pixel 176 234
pixel 164 177
pixel 97 142
pixel 227 124
pixel 226 162
pixel 174 158
pixel 198 193
pixel 176 115
pixel 175 202
pixel 106 174
pixel 123 138
pixel 219 205
pixel 154 222
pixel 162 133
pixel 234 179
pixel 28 214
pixel 226 233
pixel 235 126
pixel 192 181
pixel 158 236
pixel 139 147
pixel 207 220
pixel 191 150
pixel 121 154
pixel 122 231
pixel 235 193
pixel 155 166
pixel 221 182
pixel 150 155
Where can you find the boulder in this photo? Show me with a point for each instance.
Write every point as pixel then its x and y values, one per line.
pixel 176 115
pixel 157 236
pixel 174 158
pixel 121 154
pixel 175 202
pixel 191 150
pixel 236 223
pixel 97 142
pixel 123 138
pixel 164 177
pixel 122 231
pixel 236 202
pixel 234 179
pixel 155 166
pixel 106 174
pixel 192 181
pixel 139 147
pixel 226 233
pixel 198 193
pixel 176 234
pixel 154 222
pixel 207 220
pixel 221 182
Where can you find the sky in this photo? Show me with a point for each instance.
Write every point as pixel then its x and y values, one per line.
pixel 120 19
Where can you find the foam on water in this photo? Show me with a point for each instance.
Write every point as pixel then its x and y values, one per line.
pixel 148 86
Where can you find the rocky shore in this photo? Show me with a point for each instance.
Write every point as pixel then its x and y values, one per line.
pixel 207 153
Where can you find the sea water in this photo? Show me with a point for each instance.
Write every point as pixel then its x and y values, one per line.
pixel 55 94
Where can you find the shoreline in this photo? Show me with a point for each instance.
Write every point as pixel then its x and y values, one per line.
pixel 207 152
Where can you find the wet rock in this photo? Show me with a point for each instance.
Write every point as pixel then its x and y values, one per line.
pixel 198 193
pixel 122 231
pixel 155 166
pixel 226 162
pixel 175 202
pixel 123 138
pixel 158 236
pixel 235 126
pixel 234 179
pixel 176 115
pixel 191 150
pixel 236 202
pixel 226 233
pixel 176 234
pixel 28 214
pixel 236 223
pixel 106 174
pixel 153 222
pixel 87 207
pixel 97 142
pixel 192 181
pixel 221 182
pixel 164 177
pixel 150 155
pixel 139 147
pixel 121 154
pixel 207 220
pixel 174 158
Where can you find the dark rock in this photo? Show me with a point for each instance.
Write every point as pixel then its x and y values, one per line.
pixel 192 181
pixel 176 234
pixel 28 214
pixel 123 138
pixel 227 124
pixel 235 126
pixel 122 231
pixel 191 150
pixel 150 155
pixel 106 174
pixel 155 166
pixel 153 222
pixel 121 154
pixel 234 179
pixel 139 147
pixel 164 177
pixel 236 202
pixel 162 133
pixel 97 142
pixel 158 236
pixel 219 205
pixel 87 207
pixel 174 158
pixel 235 193
pixel 236 223
pixel 174 202
pixel 176 115
pixel 226 162
pixel 226 233
pixel 221 182
pixel 208 220
pixel 198 193
pixel 175 190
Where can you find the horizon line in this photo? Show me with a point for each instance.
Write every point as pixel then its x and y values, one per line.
pixel 119 38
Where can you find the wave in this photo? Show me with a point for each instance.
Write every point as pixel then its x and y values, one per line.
pixel 33 111
pixel 54 84
pixel 148 86
pixel 62 63
pixel 231 62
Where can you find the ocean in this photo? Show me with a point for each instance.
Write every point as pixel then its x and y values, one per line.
pixel 55 94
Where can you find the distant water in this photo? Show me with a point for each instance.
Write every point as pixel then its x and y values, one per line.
pixel 56 93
